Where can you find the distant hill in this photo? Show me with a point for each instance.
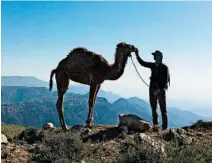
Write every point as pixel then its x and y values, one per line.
pixel 206 112
pixel 34 106
pixel 84 89
pixel 124 106
pixel 36 111
pixel 17 94
pixel 29 81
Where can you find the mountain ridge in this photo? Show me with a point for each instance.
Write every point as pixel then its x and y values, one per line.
pixel 22 104
pixel 31 81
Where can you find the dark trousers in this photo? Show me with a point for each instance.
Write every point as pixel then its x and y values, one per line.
pixel 161 98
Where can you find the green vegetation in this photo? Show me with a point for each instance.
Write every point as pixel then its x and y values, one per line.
pixel 11 131
pixel 196 153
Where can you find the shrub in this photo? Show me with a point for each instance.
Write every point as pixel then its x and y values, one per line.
pixel 195 153
pixel 61 147
pixel 136 152
pixel 31 135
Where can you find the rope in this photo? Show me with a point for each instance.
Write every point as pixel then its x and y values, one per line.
pixel 141 79
pixel 138 72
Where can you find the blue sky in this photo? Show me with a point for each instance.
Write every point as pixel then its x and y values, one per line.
pixel 37 35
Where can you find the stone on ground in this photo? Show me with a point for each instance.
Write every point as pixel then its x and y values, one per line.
pixel 48 125
pixel 133 122
pixel 4 139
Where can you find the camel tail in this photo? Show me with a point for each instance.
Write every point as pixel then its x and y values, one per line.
pixel 51 81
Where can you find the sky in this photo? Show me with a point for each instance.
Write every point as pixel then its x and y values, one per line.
pixel 37 35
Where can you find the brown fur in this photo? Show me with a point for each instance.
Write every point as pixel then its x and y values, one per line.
pixel 89 68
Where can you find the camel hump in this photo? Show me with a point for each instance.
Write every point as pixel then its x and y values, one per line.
pixel 79 50
pixel 82 50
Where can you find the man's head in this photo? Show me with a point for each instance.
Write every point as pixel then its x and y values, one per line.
pixel 158 56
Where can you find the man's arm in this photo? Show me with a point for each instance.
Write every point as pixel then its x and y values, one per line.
pixel 167 77
pixel 144 63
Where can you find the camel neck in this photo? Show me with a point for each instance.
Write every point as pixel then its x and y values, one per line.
pixel 117 69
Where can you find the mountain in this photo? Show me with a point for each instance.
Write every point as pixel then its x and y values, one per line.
pixel 179 117
pixel 35 106
pixel 29 81
pixel 36 112
pixel 17 94
pixel 205 112
pixel 125 106
pixel 84 89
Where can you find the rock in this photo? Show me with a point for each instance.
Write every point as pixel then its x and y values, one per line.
pixel 142 137
pixel 82 161
pixel 28 147
pixel 78 127
pixel 123 129
pixel 199 134
pixel 155 128
pixel 190 134
pixel 4 139
pixel 133 122
pixel 48 126
pixel 179 136
pixel 87 131
pixel 14 154
pixel 31 135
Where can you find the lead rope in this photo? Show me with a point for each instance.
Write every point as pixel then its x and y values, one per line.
pixel 140 78
pixel 138 72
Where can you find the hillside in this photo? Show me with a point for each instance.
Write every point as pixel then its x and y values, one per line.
pixel 17 94
pixel 38 112
pixel 34 106
pixel 107 144
pixel 29 81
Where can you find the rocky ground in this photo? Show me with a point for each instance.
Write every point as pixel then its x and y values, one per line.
pixel 108 144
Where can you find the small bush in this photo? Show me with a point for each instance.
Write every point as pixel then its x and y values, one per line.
pixel 136 152
pixel 31 135
pixel 61 147
pixel 189 154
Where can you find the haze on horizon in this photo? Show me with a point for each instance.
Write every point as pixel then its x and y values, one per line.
pixel 37 35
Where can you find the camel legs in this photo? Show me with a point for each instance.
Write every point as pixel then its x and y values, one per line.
pixel 62 87
pixel 92 98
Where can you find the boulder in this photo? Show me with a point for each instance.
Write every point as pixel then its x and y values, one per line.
pixel 178 135
pixel 150 141
pixel 133 123
pixel 4 139
pixel 48 126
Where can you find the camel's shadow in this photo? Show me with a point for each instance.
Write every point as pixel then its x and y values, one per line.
pixel 104 135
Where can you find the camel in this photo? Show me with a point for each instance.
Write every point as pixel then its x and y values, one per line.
pixel 89 68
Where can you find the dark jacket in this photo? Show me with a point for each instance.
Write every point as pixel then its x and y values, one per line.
pixel 160 74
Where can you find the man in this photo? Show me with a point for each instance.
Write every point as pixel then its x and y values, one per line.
pixel 158 85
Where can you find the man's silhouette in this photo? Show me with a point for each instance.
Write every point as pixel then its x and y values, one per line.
pixel 158 85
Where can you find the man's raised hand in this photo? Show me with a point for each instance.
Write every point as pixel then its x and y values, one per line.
pixel 137 52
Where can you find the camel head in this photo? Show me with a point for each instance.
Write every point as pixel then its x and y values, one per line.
pixel 126 49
